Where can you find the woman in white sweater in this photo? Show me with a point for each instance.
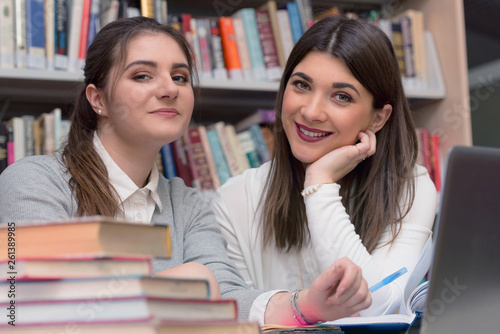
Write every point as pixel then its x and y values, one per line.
pixel 342 183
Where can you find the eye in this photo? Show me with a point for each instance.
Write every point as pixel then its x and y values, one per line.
pixel 344 98
pixel 181 78
pixel 141 77
pixel 300 84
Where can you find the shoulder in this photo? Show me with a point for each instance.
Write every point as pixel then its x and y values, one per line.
pixel 250 178
pixel 36 166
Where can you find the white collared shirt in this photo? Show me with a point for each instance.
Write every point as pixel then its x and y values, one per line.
pixel 138 203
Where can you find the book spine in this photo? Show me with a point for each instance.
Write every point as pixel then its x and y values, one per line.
pixel 3 147
pixel 19 145
pixel 75 26
pixel 198 160
pixel 202 26
pixel 210 157
pixel 295 21
pixel 426 151
pixel 260 143
pixel 285 32
pixel 29 143
pixel 249 148
pixel 269 52
pixel 227 149
pixel 108 11
pixel 253 44
pixel 218 66
pixel 20 56
pixel 181 161
pixel 168 161
pixel 220 161
pixel 407 46
pixel 436 160
pixel 50 23
pixel 397 43
pixel 147 8
pixel 61 39
pixel 37 137
pixel 57 127
pixel 10 145
pixel 84 33
pixel 93 21
pixel 236 148
pixel 7 46
pixel 272 9
pixel 196 42
pixel 239 34
pixel 307 12
pixel 230 48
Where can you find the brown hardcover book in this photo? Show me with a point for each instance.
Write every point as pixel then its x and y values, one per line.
pixel 198 160
pixel 86 236
pixel 267 41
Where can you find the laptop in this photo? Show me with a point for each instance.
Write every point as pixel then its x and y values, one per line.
pixel 464 291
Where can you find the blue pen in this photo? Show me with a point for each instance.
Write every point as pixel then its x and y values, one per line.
pixel 388 279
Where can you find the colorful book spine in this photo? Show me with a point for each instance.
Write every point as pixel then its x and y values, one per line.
pixel 35 34
pixel 181 161
pixel 168 161
pixel 269 51
pixel 236 148
pixel 218 67
pixel 295 20
pixel 220 161
pixel 10 145
pixel 93 21
pixel 239 34
pixel 29 142
pixel 203 29
pixel 407 46
pixel 249 148
pixel 260 143
pixel 210 157
pixel 226 148
pixel 271 7
pixel 61 38
pixel 50 24
pixel 84 33
pixel 230 48
pixel 253 43
pixel 198 161
pixel 75 27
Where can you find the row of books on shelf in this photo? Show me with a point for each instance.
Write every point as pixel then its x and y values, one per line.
pixel 84 278
pixel 251 44
pixel 205 157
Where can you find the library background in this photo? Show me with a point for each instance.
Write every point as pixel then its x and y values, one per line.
pixel 40 75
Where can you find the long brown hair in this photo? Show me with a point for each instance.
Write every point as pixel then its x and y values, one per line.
pixel 371 193
pixel 89 177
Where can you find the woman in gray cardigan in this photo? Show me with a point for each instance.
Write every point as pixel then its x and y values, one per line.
pixel 138 96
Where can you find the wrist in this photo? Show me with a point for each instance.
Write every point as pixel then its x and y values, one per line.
pixel 300 309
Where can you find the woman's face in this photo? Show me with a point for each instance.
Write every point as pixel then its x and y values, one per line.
pixel 324 107
pixel 152 100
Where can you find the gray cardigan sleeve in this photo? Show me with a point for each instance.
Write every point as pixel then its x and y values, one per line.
pixel 34 188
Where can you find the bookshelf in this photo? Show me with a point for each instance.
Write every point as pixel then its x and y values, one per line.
pixel 442 106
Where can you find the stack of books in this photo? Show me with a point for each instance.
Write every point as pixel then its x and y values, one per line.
pixel 94 275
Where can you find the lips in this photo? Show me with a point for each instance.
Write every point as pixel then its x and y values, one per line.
pixel 166 112
pixel 309 134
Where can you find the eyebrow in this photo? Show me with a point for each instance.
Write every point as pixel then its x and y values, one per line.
pixel 335 84
pixel 155 64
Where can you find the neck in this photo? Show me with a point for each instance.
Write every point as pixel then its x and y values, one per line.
pixel 135 161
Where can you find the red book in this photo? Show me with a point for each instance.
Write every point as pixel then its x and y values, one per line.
pixel 426 151
pixel 181 162
pixel 268 44
pixel 198 161
pixel 84 32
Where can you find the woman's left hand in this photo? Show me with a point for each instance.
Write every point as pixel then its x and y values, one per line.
pixel 335 165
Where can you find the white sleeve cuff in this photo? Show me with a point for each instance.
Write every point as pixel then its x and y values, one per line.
pixel 259 306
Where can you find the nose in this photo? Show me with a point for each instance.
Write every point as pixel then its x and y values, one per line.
pixel 313 109
pixel 167 88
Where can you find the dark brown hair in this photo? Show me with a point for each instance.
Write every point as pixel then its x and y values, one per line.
pixel 89 178
pixel 371 193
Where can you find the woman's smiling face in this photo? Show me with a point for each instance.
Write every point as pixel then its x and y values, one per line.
pixel 324 107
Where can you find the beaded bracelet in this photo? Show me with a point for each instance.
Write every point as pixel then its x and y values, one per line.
pixel 296 312
pixel 312 189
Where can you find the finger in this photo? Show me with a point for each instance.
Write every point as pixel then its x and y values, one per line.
pixel 350 282
pixel 358 298
pixel 329 279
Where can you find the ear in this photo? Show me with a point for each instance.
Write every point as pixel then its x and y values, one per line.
pixel 380 117
pixel 95 98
